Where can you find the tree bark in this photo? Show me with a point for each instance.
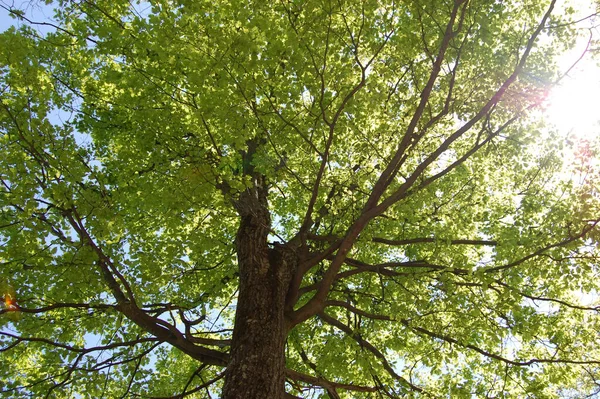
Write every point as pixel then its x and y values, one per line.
pixel 256 368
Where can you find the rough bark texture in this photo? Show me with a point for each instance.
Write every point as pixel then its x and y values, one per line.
pixel 257 359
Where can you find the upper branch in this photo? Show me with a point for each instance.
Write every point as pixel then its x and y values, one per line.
pixel 316 304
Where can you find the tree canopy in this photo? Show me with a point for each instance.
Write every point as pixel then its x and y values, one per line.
pixel 300 198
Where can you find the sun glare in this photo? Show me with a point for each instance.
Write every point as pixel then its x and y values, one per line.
pixel 573 105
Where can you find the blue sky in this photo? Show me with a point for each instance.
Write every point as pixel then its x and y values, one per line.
pixel 37 11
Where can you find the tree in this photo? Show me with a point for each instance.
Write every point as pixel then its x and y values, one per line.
pixel 299 199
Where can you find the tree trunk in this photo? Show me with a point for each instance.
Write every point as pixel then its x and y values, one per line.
pixel 257 359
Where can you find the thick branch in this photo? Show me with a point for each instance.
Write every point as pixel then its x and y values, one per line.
pixel 372 210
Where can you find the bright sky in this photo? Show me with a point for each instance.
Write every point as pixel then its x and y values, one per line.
pixel 574 105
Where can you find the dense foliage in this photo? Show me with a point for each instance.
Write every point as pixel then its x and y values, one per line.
pixel 445 243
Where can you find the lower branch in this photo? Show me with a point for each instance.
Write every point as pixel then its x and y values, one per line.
pixel 330 385
pixel 491 355
pixel 367 345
